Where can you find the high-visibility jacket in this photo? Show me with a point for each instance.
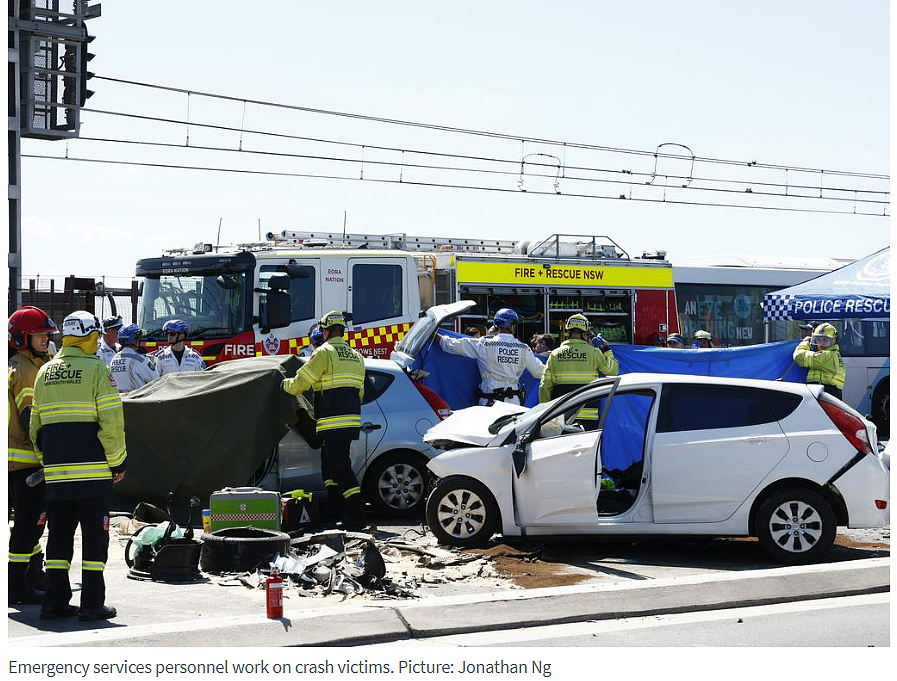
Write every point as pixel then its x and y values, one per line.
pixel 105 352
pixel 131 370
pixel 167 361
pixel 77 426
pixel 501 359
pixel 23 367
pixel 825 366
pixel 573 364
pixel 335 373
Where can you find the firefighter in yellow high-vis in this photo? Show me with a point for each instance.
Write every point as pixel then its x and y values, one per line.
pixel 575 363
pixel 29 330
pixel 335 372
pixel 78 431
pixel 821 355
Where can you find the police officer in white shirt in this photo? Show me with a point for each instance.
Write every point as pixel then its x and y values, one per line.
pixel 131 369
pixel 107 348
pixel 176 356
pixel 501 358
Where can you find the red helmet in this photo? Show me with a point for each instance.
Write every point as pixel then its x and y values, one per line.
pixel 26 321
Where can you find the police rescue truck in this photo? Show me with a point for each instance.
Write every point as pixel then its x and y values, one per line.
pixel 265 298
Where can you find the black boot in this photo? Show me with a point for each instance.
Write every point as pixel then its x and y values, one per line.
pixel 20 591
pixel 104 612
pixel 37 578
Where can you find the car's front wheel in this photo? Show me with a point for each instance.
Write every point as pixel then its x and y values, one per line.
pixel 396 484
pixel 795 526
pixel 462 512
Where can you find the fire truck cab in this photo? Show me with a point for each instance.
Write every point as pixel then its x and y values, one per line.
pixel 265 298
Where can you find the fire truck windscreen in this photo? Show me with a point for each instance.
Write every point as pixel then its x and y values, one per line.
pixel 210 309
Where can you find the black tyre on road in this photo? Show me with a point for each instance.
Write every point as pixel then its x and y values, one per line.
pixel 462 512
pixel 396 484
pixel 795 526
pixel 240 549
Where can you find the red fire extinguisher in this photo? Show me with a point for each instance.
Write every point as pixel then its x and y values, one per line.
pixel 274 595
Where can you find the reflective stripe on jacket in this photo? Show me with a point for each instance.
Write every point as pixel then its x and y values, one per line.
pixel 335 373
pixel 825 366
pixel 573 364
pixel 77 426
pixel 23 368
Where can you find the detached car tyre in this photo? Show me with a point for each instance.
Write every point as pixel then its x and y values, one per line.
pixel 240 549
pixel 396 485
pixel 462 512
pixel 795 526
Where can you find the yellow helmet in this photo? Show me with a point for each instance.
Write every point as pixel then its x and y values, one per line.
pixel 577 322
pixel 332 318
pixel 824 335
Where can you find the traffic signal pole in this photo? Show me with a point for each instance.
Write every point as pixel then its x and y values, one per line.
pixel 48 54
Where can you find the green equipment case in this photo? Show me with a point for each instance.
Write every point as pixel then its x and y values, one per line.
pixel 245 507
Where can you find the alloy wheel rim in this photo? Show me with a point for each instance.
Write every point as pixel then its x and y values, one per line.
pixel 461 513
pixel 795 526
pixel 401 486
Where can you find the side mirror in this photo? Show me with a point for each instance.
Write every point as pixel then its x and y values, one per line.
pixel 226 281
pixel 519 455
pixel 278 309
pixel 279 282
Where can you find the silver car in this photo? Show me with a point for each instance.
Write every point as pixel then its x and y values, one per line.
pixel 390 458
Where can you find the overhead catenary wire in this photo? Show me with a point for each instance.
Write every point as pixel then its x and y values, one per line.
pixel 492 134
pixel 444 185
pixel 488 159
pixel 403 165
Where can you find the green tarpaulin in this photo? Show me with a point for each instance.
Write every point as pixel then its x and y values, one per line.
pixel 196 432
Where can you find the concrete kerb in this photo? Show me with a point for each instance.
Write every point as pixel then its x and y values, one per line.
pixel 376 623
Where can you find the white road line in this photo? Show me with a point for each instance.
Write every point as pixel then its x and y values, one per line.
pixel 606 626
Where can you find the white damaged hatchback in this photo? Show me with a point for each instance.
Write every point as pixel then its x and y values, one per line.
pixel 670 454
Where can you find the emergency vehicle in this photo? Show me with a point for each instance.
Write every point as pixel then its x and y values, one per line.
pixel 264 298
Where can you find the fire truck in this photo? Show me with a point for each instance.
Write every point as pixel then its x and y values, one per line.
pixel 264 298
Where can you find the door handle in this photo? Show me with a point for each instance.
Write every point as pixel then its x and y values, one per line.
pixel 757 440
pixel 368 427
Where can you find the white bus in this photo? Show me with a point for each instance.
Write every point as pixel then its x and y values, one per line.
pixel 722 295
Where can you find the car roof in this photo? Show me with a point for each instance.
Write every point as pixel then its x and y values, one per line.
pixel 632 380
pixel 382 365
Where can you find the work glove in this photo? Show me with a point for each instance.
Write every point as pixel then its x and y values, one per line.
pixel 599 342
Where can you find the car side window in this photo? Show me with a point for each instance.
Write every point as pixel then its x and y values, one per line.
pixel 375 384
pixel 782 404
pixel 685 406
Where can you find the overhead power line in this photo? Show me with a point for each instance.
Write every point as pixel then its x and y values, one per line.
pixel 496 135
pixel 508 173
pixel 516 162
pixel 440 185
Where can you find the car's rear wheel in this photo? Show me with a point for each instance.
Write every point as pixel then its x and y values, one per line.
pixel 881 408
pixel 795 526
pixel 396 484
pixel 462 512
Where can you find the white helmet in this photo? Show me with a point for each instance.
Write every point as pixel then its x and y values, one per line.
pixel 81 324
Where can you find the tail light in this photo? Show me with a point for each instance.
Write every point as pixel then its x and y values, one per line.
pixel 437 404
pixel 849 425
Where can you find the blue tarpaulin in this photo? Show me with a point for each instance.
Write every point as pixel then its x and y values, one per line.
pixel 861 290
pixel 456 378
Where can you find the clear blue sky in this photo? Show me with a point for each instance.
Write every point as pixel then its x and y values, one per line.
pixel 792 83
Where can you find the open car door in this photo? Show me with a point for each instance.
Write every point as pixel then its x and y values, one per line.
pixel 561 463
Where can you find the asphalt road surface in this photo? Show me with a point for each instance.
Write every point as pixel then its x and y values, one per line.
pixel 857 621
